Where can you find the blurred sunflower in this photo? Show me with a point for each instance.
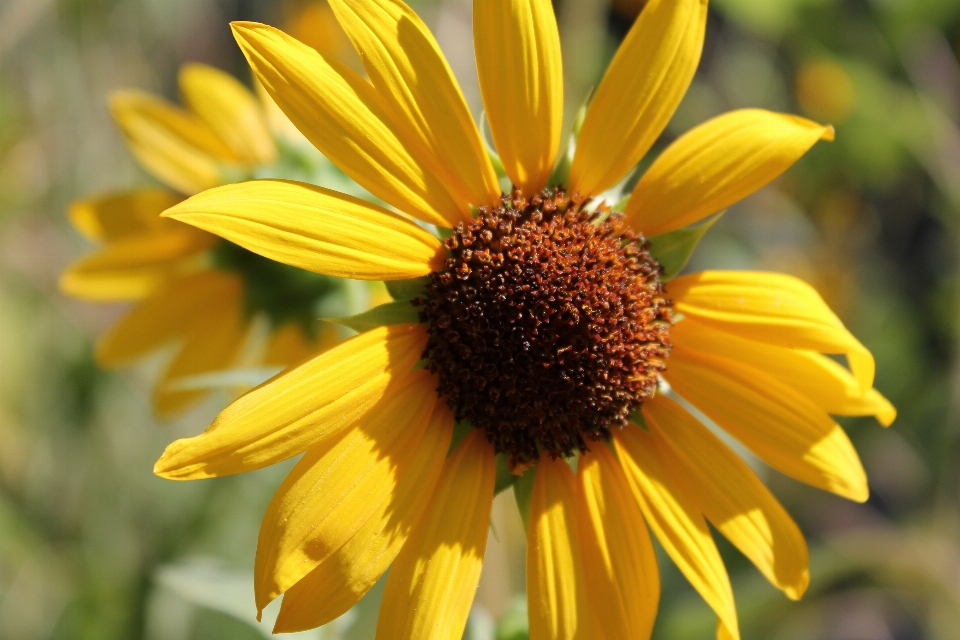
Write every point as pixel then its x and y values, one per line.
pixel 188 285
pixel 536 335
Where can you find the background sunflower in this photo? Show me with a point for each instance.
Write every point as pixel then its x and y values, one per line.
pixel 92 546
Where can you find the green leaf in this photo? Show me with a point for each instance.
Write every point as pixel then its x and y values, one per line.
pixel 674 248
pixel 407 289
pixel 522 491
pixel 514 624
pixel 399 312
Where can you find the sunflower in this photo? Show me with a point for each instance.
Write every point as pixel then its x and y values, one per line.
pixel 540 335
pixel 188 285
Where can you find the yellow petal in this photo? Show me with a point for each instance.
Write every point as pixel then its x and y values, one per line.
pixel 339 582
pixel 177 147
pixel 676 521
pixel 213 343
pixel 433 581
pixel 166 315
pixel 778 424
pixel 716 164
pixel 823 381
pixel 121 214
pixel 421 95
pixel 300 408
pixel 639 93
pixel 340 113
pixel 132 267
pixel 619 565
pixel 556 598
pixel 731 496
pixel 772 308
pixel 338 485
pixel 231 111
pixel 314 229
pixel 517 47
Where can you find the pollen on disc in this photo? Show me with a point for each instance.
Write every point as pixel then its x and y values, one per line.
pixel 548 325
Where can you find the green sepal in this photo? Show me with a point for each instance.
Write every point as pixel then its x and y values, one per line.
pixel 460 431
pixel 560 177
pixel 399 312
pixel 637 418
pixel 407 289
pixel 672 250
pixel 505 477
pixel 523 491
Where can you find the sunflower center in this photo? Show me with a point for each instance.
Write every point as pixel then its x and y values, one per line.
pixel 548 325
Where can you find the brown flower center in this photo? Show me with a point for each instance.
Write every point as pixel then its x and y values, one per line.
pixel 548 325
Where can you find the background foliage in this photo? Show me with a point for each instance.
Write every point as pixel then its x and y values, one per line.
pixel 93 546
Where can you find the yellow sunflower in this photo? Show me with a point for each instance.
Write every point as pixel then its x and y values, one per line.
pixel 188 285
pixel 539 335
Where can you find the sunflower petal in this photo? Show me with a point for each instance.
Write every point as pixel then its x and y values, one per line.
pixel 314 229
pixel 676 521
pixel 517 47
pixel 165 316
pixel 132 267
pixel 340 113
pixel 433 581
pixel 212 344
pixel 121 214
pixel 639 93
pixel 778 424
pixel 338 486
pixel 300 408
pixel 339 582
pixel 717 164
pixel 231 111
pixel 177 147
pixel 731 496
pixel 823 381
pixel 556 599
pixel 772 308
pixel 290 343
pixel 619 565
pixel 421 95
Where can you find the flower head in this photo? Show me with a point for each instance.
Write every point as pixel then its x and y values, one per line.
pixel 544 322
pixel 188 285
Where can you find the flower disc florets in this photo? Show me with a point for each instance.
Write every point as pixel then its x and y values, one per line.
pixel 548 325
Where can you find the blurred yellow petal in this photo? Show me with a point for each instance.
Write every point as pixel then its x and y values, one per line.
pixel 231 111
pixel 823 381
pixel 421 95
pixel 717 164
pixel 339 582
pixel 125 213
pixel 731 496
pixel 338 485
pixel 675 518
pixel 212 344
pixel 132 267
pixel 314 229
pixel 166 315
pixel 433 581
pixel 619 565
pixel 772 308
pixel 639 93
pixel 556 598
pixel 300 408
pixel 778 424
pixel 341 114
pixel 290 343
pixel 517 48
pixel 177 147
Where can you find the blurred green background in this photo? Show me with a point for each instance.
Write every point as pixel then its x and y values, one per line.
pixel 93 546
